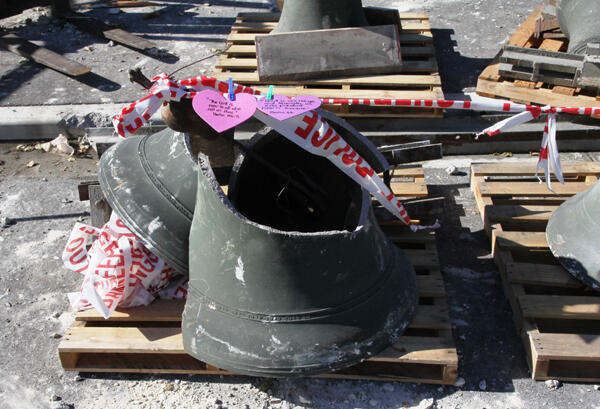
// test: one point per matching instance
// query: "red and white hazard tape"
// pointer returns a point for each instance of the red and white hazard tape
(312, 133)
(118, 269)
(309, 131)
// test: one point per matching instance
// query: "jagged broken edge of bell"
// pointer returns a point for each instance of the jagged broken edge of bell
(150, 181)
(573, 235)
(268, 302)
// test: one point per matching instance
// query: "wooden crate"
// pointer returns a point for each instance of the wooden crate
(557, 316)
(419, 78)
(148, 339)
(492, 84)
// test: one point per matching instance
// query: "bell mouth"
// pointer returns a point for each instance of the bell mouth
(360, 217)
(279, 185)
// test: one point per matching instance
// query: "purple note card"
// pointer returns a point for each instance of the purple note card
(282, 108)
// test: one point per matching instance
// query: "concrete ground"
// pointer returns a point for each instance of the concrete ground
(40, 204)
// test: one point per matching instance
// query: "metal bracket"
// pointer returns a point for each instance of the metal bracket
(552, 67)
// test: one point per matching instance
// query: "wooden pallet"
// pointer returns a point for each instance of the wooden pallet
(148, 339)
(557, 316)
(492, 84)
(419, 78)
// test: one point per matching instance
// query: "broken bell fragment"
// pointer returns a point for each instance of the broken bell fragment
(150, 182)
(573, 234)
(290, 275)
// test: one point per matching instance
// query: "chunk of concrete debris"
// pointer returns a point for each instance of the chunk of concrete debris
(425, 404)
(552, 384)
(460, 382)
(61, 405)
(452, 170)
(5, 222)
(373, 402)
(303, 400)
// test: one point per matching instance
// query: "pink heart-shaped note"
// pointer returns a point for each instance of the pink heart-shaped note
(221, 113)
(282, 108)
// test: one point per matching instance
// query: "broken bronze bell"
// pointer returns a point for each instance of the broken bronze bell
(574, 238)
(290, 274)
(303, 15)
(150, 181)
(578, 20)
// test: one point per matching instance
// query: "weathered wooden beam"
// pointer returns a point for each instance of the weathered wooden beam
(41, 55)
(96, 27)
(411, 152)
(328, 53)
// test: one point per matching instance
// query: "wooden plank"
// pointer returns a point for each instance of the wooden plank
(431, 286)
(421, 349)
(560, 307)
(408, 171)
(531, 189)
(404, 189)
(422, 258)
(123, 37)
(41, 55)
(122, 339)
(167, 340)
(551, 44)
(430, 316)
(552, 275)
(308, 54)
(274, 16)
(99, 28)
(157, 311)
(100, 210)
(521, 240)
(360, 93)
(267, 26)
(522, 36)
(539, 96)
(567, 346)
(391, 80)
(528, 169)
(519, 213)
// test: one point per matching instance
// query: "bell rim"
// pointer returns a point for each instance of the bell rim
(371, 344)
(205, 168)
(107, 184)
